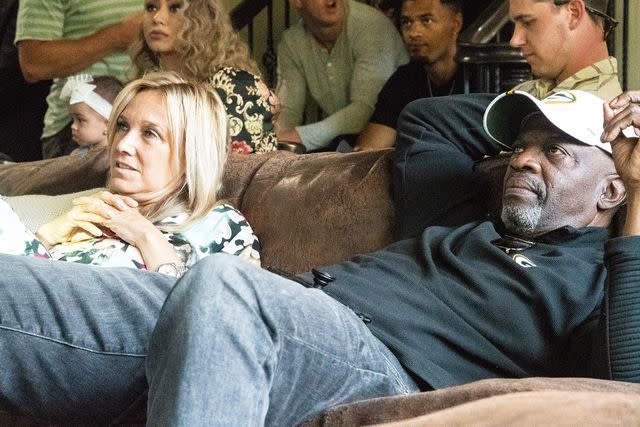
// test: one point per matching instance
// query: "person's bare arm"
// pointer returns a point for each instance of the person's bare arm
(376, 137)
(43, 60)
(289, 135)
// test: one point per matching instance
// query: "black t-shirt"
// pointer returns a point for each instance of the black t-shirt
(408, 83)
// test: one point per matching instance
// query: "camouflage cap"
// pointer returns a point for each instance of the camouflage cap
(597, 5)
(599, 8)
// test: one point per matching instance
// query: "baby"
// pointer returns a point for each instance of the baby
(90, 102)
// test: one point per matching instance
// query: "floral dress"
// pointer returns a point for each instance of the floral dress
(223, 229)
(251, 108)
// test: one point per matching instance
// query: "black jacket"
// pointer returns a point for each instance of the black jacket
(455, 307)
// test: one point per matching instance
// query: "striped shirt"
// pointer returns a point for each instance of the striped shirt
(599, 79)
(73, 19)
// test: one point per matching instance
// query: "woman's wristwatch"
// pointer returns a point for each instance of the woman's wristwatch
(172, 269)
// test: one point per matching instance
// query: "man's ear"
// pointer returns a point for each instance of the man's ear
(614, 193)
(295, 4)
(457, 23)
(577, 12)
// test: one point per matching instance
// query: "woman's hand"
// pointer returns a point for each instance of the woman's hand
(116, 214)
(70, 227)
(119, 215)
(83, 220)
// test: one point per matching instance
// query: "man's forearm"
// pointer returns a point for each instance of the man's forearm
(43, 60)
(349, 120)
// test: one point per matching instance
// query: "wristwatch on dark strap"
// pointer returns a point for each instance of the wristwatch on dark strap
(172, 269)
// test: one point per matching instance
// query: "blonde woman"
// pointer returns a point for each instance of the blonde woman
(168, 147)
(195, 39)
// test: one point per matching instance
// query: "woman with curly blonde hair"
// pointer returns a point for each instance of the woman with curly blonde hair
(195, 39)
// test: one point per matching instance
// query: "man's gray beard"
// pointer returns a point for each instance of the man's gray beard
(521, 220)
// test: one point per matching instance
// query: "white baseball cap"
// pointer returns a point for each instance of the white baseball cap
(575, 112)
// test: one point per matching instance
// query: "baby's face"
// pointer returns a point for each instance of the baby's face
(87, 127)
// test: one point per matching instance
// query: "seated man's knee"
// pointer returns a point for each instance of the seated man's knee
(212, 277)
(219, 264)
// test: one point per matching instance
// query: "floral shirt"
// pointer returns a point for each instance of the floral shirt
(224, 229)
(250, 106)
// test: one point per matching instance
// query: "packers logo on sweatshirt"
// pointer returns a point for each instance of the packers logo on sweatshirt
(523, 261)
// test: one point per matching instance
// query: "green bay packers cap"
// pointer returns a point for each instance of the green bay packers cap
(575, 112)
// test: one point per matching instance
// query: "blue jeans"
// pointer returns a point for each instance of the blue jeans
(73, 338)
(247, 347)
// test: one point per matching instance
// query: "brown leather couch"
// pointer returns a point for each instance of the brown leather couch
(316, 209)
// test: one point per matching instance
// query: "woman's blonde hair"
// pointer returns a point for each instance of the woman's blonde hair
(197, 127)
(206, 44)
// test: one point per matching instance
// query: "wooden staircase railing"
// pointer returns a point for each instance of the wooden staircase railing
(244, 16)
(488, 62)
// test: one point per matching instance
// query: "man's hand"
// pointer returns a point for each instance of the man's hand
(619, 114)
(128, 30)
(626, 112)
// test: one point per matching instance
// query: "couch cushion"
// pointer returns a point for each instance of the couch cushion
(308, 210)
(316, 209)
(238, 173)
